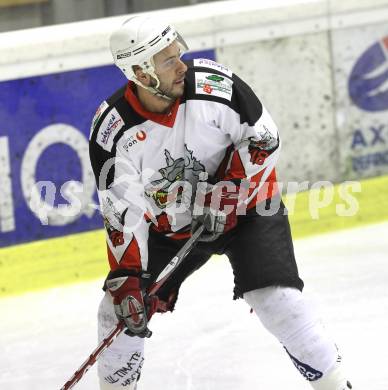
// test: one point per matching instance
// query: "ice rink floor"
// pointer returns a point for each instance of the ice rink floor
(211, 342)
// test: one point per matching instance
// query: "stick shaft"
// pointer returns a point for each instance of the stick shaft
(175, 261)
(94, 356)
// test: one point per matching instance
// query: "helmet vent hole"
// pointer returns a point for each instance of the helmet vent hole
(132, 41)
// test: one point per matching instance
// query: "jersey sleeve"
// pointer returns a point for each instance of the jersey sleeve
(122, 203)
(255, 142)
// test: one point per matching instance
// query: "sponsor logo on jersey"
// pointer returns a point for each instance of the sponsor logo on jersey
(132, 140)
(141, 135)
(212, 84)
(368, 82)
(207, 88)
(213, 65)
(110, 126)
(100, 110)
(215, 77)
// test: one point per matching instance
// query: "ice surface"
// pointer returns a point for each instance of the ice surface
(211, 342)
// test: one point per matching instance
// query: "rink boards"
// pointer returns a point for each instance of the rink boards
(82, 256)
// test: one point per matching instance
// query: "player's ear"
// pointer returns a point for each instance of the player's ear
(144, 78)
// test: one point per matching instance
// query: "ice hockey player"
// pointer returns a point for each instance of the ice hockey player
(183, 144)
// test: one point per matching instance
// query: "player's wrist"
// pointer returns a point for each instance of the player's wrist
(218, 211)
(131, 305)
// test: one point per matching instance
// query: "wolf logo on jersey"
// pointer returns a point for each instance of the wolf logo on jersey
(172, 173)
(115, 235)
(261, 148)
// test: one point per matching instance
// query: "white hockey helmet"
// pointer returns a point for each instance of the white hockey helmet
(136, 42)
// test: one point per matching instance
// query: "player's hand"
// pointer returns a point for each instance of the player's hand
(130, 303)
(218, 213)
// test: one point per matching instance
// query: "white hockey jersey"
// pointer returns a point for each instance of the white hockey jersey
(145, 163)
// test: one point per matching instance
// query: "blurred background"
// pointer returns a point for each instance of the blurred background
(20, 14)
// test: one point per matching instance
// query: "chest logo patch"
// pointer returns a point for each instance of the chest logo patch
(174, 171)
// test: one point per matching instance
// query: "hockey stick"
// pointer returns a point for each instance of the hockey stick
(161, 279)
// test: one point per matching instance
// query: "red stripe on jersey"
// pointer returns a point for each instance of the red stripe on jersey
(113, 263)
(163, 223)
(220, 173)
(130, 258)
(167, 120)
(236, 169)
(268, 190)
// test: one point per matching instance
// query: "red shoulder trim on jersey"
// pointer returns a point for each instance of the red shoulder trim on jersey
(167, 120)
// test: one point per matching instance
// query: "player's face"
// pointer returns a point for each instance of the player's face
(170, 70)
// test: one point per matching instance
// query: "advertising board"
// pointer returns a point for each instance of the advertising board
(360, 57)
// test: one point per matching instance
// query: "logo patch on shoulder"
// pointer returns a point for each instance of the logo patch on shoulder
(213, 84)
(108, 129)
(100, 110)
(213, 65)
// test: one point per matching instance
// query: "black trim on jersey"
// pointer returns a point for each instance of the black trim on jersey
(98, 155)
(244, 101)
(111, 101)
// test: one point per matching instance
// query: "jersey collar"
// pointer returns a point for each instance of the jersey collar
(163, 119)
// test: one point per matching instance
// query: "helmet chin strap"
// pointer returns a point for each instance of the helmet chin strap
(154, 90)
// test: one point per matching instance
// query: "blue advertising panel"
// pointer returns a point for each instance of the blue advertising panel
(368, 78)
(44, 130)
(360, 70)
(367, 86)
